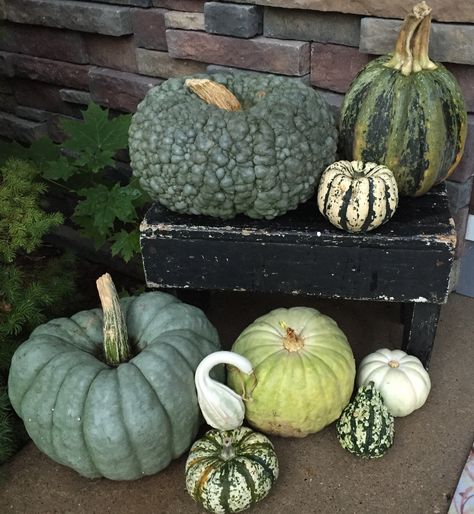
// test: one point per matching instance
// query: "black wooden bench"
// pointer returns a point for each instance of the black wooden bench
(408, 260)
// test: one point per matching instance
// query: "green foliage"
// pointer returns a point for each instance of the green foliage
(106, 210)
(31, 286)
(22, 222)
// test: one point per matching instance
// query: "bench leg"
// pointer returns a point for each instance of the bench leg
(421, 322)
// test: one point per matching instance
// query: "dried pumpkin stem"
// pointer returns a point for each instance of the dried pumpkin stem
(402, 58)
(116, 347)
(420, 46)
(292, 341)
(214, 93)
(228, 451)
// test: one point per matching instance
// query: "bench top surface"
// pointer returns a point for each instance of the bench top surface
(418, 222)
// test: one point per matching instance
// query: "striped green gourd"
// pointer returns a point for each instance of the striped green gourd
(366, 428)
(406, 112)
(228, 471)
(357, 196)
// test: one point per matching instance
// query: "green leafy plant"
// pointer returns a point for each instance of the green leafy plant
(107, 210)
(33, 283)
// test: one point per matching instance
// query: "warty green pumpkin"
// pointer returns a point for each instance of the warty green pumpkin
(261, 153)
(229, 471)
(124, 414)
(304, 370)
(406, 112)
(357, 196)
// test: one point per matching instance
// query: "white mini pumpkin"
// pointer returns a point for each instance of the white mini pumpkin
(401, 379)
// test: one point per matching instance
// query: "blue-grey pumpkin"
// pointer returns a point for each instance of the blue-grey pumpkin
(120, 422)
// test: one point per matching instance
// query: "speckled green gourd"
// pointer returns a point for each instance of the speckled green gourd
(366, 428)
(262, 160)
(228, 471)
(406, 112)
(118, 421)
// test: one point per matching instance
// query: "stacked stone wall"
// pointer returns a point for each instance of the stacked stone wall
(58, 55)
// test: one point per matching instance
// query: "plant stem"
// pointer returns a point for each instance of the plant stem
(228, 451)
(420, 45)
(402, 58)
(214, 93)
(116, 347)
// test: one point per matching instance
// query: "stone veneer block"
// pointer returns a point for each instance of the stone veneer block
(215, 68)
(461, 11)
(39, 95)
(53, 72)
(75, 96)
(334, 101)
(61, 45)
(160, 64)
(19, 129)
(448, 43)
(149, 28)
(233, 19)
(6, 64)
(181, 5)
(465, 77)
(119, 90)
(5, 86)
(459, 194)
(130, 3)
(260, 54)
(334, 66)
(184, 20)
(31, 114)
(460, 223)
(112, 52)
(465, 168)
(70, 14)
(341, 29)
(7, 103)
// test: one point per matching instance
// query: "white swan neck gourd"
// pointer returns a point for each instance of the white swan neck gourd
(221, 407)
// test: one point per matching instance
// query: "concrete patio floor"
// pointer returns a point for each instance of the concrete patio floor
(417, 476)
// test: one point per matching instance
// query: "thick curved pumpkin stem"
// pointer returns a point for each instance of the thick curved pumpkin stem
(116, 347)
(214, 93)
(402, 58)
(420, 45)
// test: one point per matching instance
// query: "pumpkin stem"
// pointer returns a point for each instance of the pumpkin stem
(292, 342)
(228, 451)
(421, 43)
(116, 347)
(402, 58)
(214, 93)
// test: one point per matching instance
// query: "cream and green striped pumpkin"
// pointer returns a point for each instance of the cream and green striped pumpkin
(357, 196)
(406, 112)
(366, 428)
(228, 471)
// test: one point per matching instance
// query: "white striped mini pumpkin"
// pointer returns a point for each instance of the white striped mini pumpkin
(228, 471)
(357, 196)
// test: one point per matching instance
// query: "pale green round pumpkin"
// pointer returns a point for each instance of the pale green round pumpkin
(304, 371)
(117, 421)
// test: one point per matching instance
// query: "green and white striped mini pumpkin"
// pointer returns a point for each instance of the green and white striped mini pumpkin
(357, 196)
(228, 471)
(365, 427)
